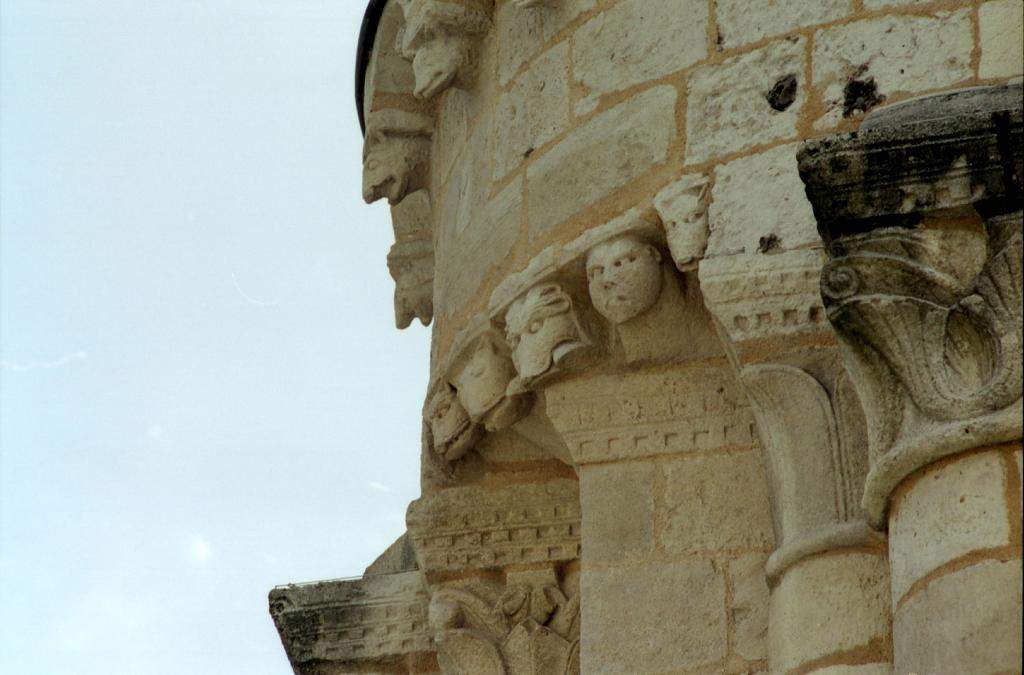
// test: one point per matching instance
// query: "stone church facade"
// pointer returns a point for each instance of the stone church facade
(726, 355)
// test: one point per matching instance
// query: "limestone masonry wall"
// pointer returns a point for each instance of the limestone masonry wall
(725, 367)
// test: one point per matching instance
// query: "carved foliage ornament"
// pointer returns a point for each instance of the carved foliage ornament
(531, 628)
(922, 211)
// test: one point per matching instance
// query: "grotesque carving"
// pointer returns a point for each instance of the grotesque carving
(452, 431)
(683, 207)
(411, 265)
(482, 382)
(624, 276)
(543, 331)
(395, 153)
(439, 38)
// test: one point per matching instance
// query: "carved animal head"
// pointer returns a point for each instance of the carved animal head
(453, 432)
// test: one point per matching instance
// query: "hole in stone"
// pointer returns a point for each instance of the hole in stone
(768, 243)
(860, 95)
(783, 93)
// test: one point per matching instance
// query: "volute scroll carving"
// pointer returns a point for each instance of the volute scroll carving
(921, 210)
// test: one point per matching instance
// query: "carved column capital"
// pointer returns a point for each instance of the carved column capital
(921, 214)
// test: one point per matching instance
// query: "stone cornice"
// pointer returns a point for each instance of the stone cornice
(371, 620)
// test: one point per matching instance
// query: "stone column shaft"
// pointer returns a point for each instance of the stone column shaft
(921, 212)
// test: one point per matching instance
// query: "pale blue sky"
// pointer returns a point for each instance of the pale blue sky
(202, 393)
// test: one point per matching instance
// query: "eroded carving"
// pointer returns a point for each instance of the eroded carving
(411, 265)
(530, 628)
(440, 38)
(367, 620)
(482, 383)
(683, 208)
(922, 212)
(396, 150)
(453, 433)
(543, 331)
(624, 277)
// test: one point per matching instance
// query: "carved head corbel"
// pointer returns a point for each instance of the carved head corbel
(543, 331)
(683, 208)
(482, 382)
(411, 264)
(453, 433)
(439, 38)
(395, 153)
(624, 277)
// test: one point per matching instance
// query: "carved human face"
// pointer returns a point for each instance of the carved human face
(624, 276)
(482, 382)
(436, 65)
(542, 330)
(453, 432)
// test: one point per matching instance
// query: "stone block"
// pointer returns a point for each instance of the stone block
(745, 101)
(716, 502)
(946, 513)
(741, 22)
(759, 204)
(857, 66)
(534, 110)
(1002, 38)
(749, 607)
(523, 31)
(604, 154)
(966, 622)
(636, 41)
(828, 604)
(882, 4)
(652, 618)
(617, 501)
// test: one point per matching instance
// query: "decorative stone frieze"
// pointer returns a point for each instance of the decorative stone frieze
(439, 38)
(348, 624)
(921, 213)
(468, 527)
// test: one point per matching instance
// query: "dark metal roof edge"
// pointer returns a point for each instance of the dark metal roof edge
(367, 35)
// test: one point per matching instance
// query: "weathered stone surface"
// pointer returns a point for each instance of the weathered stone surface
(965, 622)
(684, 410)
(847, 592)
(366, 620)
(728, 108)
(606, 153)
(1002, 38)
(523, 32)
(474, 528)
(683, 209)
(617, 501)
(636, 41)
(716, 502)
(739, 219)
(534, 110)
(859, 65)
(749, 607)
(628, 631)
(948, 512)
(744, 21)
